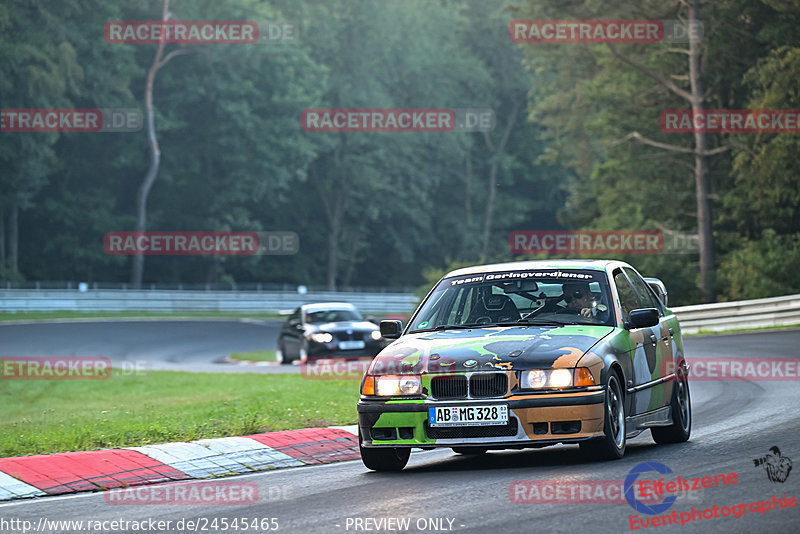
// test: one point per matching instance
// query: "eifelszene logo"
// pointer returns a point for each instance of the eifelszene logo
(778, 467)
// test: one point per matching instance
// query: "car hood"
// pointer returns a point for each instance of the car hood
(490, 348)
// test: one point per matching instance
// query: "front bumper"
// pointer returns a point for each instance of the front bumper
(333, 350)
(534, 420)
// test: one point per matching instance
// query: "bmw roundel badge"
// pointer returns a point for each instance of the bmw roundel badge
(470, 363)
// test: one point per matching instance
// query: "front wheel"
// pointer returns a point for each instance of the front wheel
(612, 445)
(681, 427)
(280, 355)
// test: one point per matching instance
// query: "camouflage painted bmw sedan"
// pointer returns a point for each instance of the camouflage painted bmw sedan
(528, 354)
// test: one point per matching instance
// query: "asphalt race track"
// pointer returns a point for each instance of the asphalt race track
(734, 423)
(194, 345)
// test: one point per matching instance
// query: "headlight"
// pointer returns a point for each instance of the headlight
(533, 379)
(375, 335)
(321, 337)
(560, 378)
(397, 385)
(555, 378)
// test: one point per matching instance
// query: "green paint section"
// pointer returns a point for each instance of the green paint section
(404, 419)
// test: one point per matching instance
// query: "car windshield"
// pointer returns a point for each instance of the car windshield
(517, 297)
(332, 316)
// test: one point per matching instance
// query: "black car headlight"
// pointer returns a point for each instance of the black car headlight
(321, 337)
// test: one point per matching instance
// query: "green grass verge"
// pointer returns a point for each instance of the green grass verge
(66, 314)
(45, 416)
(255, 356)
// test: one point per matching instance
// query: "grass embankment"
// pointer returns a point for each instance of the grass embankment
(255, 356)
(45, 416)
(66, 314)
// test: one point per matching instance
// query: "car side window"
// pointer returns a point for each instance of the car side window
(627, 297)
(643, 293)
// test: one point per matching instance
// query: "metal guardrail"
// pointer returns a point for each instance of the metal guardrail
(776, 311)
(21, 300)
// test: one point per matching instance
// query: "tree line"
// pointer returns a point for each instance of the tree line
(576, 142)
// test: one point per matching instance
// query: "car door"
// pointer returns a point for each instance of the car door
(663, 335)
(645, 352)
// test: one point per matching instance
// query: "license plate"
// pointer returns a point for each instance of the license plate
(349, 345)
(490, 414)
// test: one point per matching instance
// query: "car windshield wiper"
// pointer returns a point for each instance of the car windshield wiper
(448, 327)
(538, 322)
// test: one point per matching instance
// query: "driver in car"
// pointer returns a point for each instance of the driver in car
(579, 298)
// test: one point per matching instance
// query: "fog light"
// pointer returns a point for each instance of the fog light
(375, 335)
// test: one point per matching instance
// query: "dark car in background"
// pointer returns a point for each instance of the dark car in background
(328, 330)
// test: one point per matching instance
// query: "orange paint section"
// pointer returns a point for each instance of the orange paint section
(568, 360)
(590, 416)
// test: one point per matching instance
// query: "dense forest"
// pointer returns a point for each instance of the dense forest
(576, 143)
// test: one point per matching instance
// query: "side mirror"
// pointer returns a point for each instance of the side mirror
(643, 318)
(391, 329)
(658, 288)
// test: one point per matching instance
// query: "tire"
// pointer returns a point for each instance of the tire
(280, 356)
(470, 451)
(384, 459)
(612, 445)
(681, 427)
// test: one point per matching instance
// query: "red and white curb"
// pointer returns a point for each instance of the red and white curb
(70, 472)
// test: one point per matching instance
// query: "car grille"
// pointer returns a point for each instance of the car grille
(488, 384)
(344, 336)
(492, 431)
(479, 385)
(449, 387)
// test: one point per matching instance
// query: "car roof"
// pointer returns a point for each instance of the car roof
(594, 265)
(319, 306)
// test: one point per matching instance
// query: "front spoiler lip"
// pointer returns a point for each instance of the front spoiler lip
(482, 442)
